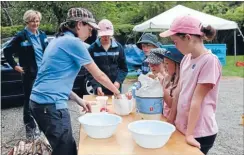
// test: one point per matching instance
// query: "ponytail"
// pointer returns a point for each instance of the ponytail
(209, 33)
(67, 26)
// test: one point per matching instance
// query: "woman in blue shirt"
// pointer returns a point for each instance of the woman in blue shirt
(30, 44)
(52, 89)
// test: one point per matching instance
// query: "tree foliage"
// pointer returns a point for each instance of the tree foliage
(124, 15)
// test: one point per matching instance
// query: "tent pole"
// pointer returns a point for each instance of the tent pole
(235, 44)
(135, 39)
(240, 33)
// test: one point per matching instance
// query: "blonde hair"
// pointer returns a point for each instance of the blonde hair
(31, 15)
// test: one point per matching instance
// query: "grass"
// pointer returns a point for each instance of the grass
(230, 68)
(132, 77)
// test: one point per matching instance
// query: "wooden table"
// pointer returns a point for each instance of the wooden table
(121, 143)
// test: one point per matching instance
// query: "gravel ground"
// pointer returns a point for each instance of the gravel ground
(229, 110)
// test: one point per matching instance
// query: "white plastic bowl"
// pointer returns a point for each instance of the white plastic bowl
(151, 133)
(99, 125)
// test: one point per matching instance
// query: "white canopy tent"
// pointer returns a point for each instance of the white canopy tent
(163, 21)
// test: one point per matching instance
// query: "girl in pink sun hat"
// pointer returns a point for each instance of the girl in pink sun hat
(200, 73)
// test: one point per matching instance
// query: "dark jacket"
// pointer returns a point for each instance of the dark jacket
(111, 62)
(21, 45)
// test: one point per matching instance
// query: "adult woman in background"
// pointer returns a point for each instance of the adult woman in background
(29, 44)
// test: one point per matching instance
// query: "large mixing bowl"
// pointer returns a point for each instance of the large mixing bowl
(100, 125)
(151, 133)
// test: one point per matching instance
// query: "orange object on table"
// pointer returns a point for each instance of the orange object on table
(121, 143)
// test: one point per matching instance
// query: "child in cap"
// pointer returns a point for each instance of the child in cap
(156, 63)
(200, 73)
(157, 68)
(161, 60)
(148, 41)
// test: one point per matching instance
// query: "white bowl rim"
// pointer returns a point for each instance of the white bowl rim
(157, 121)
(101, 113)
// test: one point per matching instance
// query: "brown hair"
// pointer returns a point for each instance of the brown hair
(68, 26)
(209, 33)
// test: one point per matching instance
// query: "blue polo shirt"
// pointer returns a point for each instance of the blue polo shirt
(61, 63)
(36, 42)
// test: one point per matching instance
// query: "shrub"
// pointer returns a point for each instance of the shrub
(9, 31)
(123, 29)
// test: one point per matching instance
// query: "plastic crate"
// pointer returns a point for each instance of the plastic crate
(218, 49)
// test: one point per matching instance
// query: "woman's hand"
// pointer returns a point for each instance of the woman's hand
(117, 85)
(19, 69)
(86, 105)
(117, 96)
(100, 91)
(192, 141)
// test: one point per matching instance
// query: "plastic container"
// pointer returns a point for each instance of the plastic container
(123, 106)
(151, 134)
(218, 49)
(149, 108)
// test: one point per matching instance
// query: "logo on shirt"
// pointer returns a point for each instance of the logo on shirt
(25, 43)
(193, 66)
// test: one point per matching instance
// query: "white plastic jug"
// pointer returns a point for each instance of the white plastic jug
(123, 106)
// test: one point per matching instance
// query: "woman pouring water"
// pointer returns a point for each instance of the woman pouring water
(52, 89)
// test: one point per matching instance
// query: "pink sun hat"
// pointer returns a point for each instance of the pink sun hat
(184, 24)
(106, 28)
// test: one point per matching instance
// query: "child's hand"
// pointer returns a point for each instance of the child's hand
(192, 141)
(171, 119)
(152, 76)
(161, 77)
(128, 95)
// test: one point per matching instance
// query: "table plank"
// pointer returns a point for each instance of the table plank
(121, 143)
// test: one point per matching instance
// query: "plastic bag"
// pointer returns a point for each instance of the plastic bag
(149, 87)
